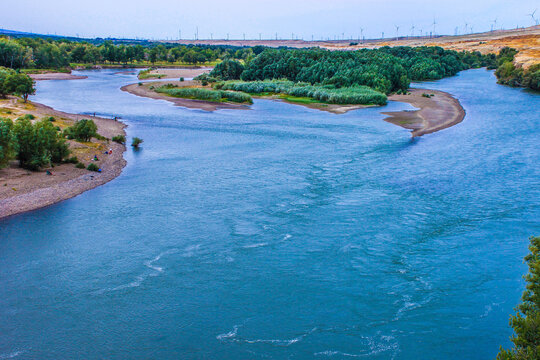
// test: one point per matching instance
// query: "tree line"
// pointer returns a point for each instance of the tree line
(387, 69)
(42, 53)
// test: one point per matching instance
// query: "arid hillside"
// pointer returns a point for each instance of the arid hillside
(526, 40)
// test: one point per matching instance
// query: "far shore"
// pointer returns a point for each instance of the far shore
(22, 190)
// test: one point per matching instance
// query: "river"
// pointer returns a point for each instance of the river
(281, 232)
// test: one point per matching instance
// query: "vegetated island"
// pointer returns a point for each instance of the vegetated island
(330, 81)
(47, 156)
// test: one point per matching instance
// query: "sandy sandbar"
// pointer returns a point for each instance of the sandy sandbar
(144, 90)
(56, 76)
(435, 113)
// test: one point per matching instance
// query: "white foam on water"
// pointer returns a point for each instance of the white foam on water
(287, 237)
(330, 353)
(139, 279)
(232, 336)
(11, 355)
(253, 246)
(191, 250)
(229, 335)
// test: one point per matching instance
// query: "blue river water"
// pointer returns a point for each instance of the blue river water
(281, 232)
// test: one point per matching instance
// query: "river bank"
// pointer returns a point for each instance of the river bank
(22, 190)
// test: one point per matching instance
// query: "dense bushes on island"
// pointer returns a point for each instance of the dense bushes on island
(206, 94)
(322, 93)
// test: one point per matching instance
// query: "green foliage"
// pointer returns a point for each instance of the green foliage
(206, 94)
(508, 74)
(80, 166)
(19, 84)
(92, 167)
(38, 144)
(72, 160)
(26, 117)
(526, 322)
(6, 142)
(385, 70)
(322, 93)
(82, 130)
(228, 69)
(4, 73)
(121, 139)
(136, 142)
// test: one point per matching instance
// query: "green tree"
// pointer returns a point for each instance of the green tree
(20, 84)
(228, 70)
(6, 141)
(82, 130)
(526, 322)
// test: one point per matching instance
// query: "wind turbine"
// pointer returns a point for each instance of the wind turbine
(535, 20)
(412, 30)
(362, 34)
(494, 25)
(466, 27)
(397, 32)
(434, 23)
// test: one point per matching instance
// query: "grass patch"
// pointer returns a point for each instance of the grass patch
(206, 94)
(308, 94)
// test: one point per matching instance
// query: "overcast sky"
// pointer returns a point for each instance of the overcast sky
(162, 19)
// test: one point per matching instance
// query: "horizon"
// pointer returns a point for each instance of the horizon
(337, 21)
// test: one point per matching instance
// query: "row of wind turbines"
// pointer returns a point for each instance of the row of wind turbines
(414, 31)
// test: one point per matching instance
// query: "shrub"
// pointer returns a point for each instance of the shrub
(38, 144)
(526, 322)
(207, 94)
(121, 139)
(136, 142)
(49, 118)
(181, 79)
(323, 93)
(7, 151)
(93, 167)
(26, 117)
(72, 160)
(80, 166)
(82, 130)
(228, 69)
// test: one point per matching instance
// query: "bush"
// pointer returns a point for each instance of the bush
(80, 166)
(181, 79)
(121, 139)
(82, 130)
(93, 167)
(207, 94)
(526, 322)
(136, 142)
(38, 144)
(228, 70)
(49, 118)
(26, 117)
(323, 93)
(7, 143)
(72, 160)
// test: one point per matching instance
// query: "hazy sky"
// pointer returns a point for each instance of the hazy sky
(320, 18)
